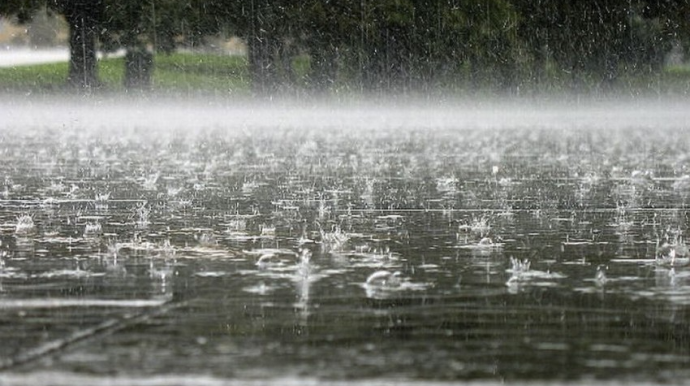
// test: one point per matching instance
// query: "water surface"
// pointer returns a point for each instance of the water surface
(237, 243)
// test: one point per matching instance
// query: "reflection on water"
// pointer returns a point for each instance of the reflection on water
(510, 252)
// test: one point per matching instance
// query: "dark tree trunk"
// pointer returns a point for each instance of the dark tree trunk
(262, 44)
(610, 72)
(82, 17)
(324, 67)
(262, 65)
(539, 61)
(374, 66)
(138, 69)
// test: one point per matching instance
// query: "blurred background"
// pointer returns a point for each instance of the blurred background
(411, 47)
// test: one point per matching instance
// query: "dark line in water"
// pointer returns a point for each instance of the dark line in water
(107, 327)
(72, 379)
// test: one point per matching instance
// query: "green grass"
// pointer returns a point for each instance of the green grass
(676, 80)
(187, 74)
(199, 73)
(175, 74)
(43, 77)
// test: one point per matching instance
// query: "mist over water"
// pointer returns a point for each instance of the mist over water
(210, 241)
(170, 113)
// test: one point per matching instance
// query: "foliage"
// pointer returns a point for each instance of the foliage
(22, 10)
(220, 75)
(404, 45)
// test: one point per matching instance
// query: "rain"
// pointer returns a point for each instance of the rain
(344, 192)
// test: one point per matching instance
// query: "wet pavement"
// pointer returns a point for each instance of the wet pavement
(215, 244)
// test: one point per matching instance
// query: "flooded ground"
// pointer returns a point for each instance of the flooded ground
(211, 243)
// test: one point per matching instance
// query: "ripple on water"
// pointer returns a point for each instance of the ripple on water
(409, 232)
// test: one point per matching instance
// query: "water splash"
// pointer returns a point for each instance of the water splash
(142, 215)
(25, 225)
(674, 253)
(101, 201)
(383, 279)
(334, 240)
(600, 277)
(92, 230)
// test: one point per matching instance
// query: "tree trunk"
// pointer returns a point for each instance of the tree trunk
(323, 67)
(262, 66)
(82, 18)
(374, 65)
(262, 47)
(539, 61)
(138, 69)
